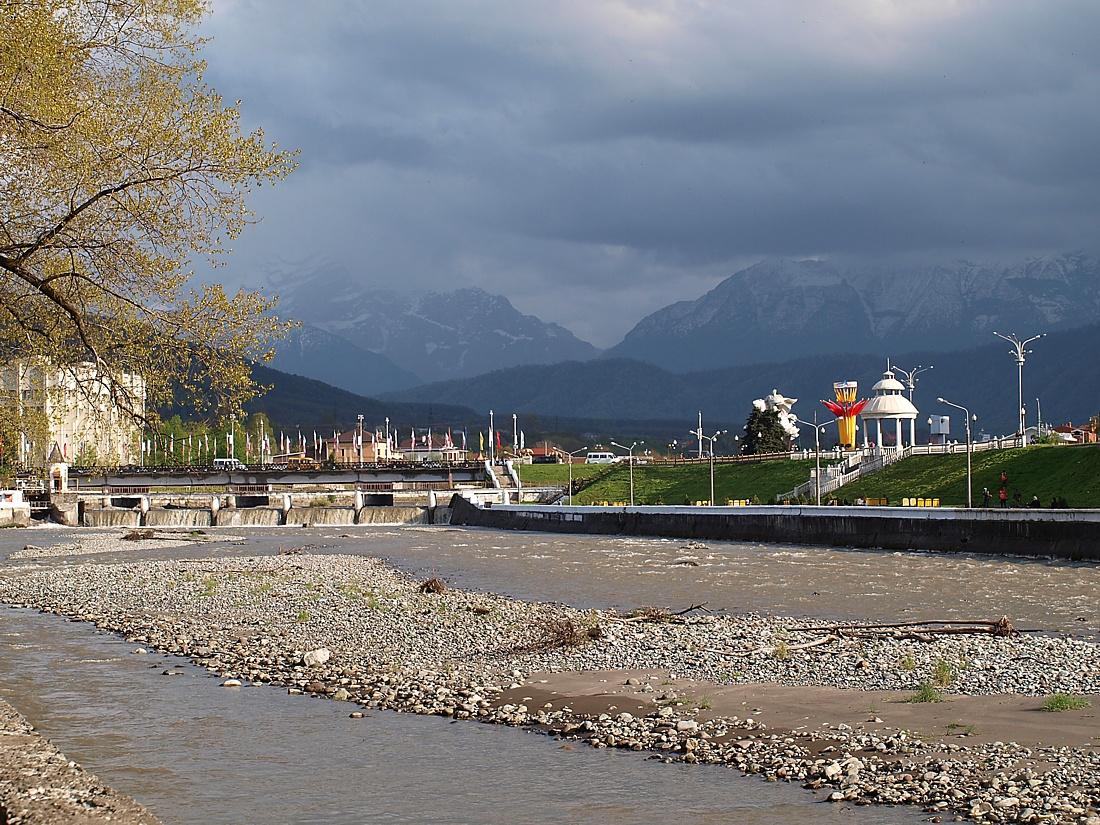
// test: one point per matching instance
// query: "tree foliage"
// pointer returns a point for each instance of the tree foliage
(119, 167)
(764, 433)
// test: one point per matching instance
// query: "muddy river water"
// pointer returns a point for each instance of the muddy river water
(193, 751)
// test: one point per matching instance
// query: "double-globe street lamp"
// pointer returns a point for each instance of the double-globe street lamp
(630, 455)
(818, 430)
(969, 451)
(711, 438)
(910, 376)
(1020, 352)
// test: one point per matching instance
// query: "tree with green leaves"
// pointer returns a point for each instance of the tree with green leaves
(119, 166)
(764, 434)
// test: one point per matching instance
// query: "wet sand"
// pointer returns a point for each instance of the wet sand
(972, 720)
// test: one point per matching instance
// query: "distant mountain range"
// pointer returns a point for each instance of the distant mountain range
(780, 309)
(434, 336)
(296, 401)
(1059, 372)
(310, 351)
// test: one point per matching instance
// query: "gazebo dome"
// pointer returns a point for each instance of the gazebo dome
(889, 400)
(888, 384)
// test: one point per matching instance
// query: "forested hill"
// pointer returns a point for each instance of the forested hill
(1058, 373)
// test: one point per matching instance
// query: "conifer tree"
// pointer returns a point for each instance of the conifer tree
(764, 433)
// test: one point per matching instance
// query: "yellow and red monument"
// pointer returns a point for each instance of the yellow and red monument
(846, 408)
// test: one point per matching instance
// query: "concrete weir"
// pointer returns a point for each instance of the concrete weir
(178, 517)
(107, 517)
(261, 516)
(1068, 534)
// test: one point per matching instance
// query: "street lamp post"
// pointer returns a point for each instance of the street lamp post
(360, 438)
(630, 458)
(818, 430)
(699, 434)
(581, 450)
(1020, 352)
(910, 376)
(969, 451)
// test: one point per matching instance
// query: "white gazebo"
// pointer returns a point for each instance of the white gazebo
(889, 403)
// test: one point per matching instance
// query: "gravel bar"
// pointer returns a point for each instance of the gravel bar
(354, 629)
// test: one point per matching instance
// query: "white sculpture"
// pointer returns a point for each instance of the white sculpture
(781, 405)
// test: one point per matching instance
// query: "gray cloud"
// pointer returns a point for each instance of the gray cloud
(594, 161)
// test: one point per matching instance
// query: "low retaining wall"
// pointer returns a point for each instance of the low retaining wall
(15, 514)
(1070, 534)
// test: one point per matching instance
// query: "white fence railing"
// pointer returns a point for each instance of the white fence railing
(858, 464)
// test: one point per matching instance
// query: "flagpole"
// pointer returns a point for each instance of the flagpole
(492, 449)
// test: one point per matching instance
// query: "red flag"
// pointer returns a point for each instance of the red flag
(498, 440)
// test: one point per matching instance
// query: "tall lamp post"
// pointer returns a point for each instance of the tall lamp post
(818, 430)
(581, 450)
(360, 438)
(910, 376)
(969, 451)
(630, 454)
(1020, 352)
(699, 434)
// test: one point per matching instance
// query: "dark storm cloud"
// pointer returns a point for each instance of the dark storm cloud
(575, 154)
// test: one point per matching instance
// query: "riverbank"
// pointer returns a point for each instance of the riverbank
(698, 688)
(40, 786)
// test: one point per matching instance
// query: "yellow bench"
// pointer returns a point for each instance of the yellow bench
(737, 502)
(920, 502)
(877, 502)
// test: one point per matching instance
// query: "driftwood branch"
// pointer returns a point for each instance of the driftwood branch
(658, 615)
(923, 630)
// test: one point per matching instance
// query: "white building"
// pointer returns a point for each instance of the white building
(81, 415)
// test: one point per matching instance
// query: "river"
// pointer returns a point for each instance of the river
(193, 751)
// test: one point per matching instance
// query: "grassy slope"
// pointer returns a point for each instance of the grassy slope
(691, 482)
(1070, 472)
(551, 474)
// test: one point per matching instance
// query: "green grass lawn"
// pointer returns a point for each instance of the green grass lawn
(688, 483)
(1046, 471)
(538, 475)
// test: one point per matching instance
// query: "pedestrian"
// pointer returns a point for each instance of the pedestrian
(1017, 499)
(1035, 503)
(987, 497)
(1002, 494)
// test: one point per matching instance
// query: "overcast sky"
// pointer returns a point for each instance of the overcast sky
(594, 161)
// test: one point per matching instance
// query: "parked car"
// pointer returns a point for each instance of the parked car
(601, 458)
(229, 464)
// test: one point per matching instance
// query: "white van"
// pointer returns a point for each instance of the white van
(601, 458)
(228, 464)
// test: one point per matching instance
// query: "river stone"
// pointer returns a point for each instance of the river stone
(231, 683)
(341, 695)
(313, 658)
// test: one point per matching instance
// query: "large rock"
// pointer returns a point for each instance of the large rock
(313, 658)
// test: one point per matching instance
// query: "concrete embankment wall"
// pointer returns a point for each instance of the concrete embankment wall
(1070, 534)
(15, 514)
